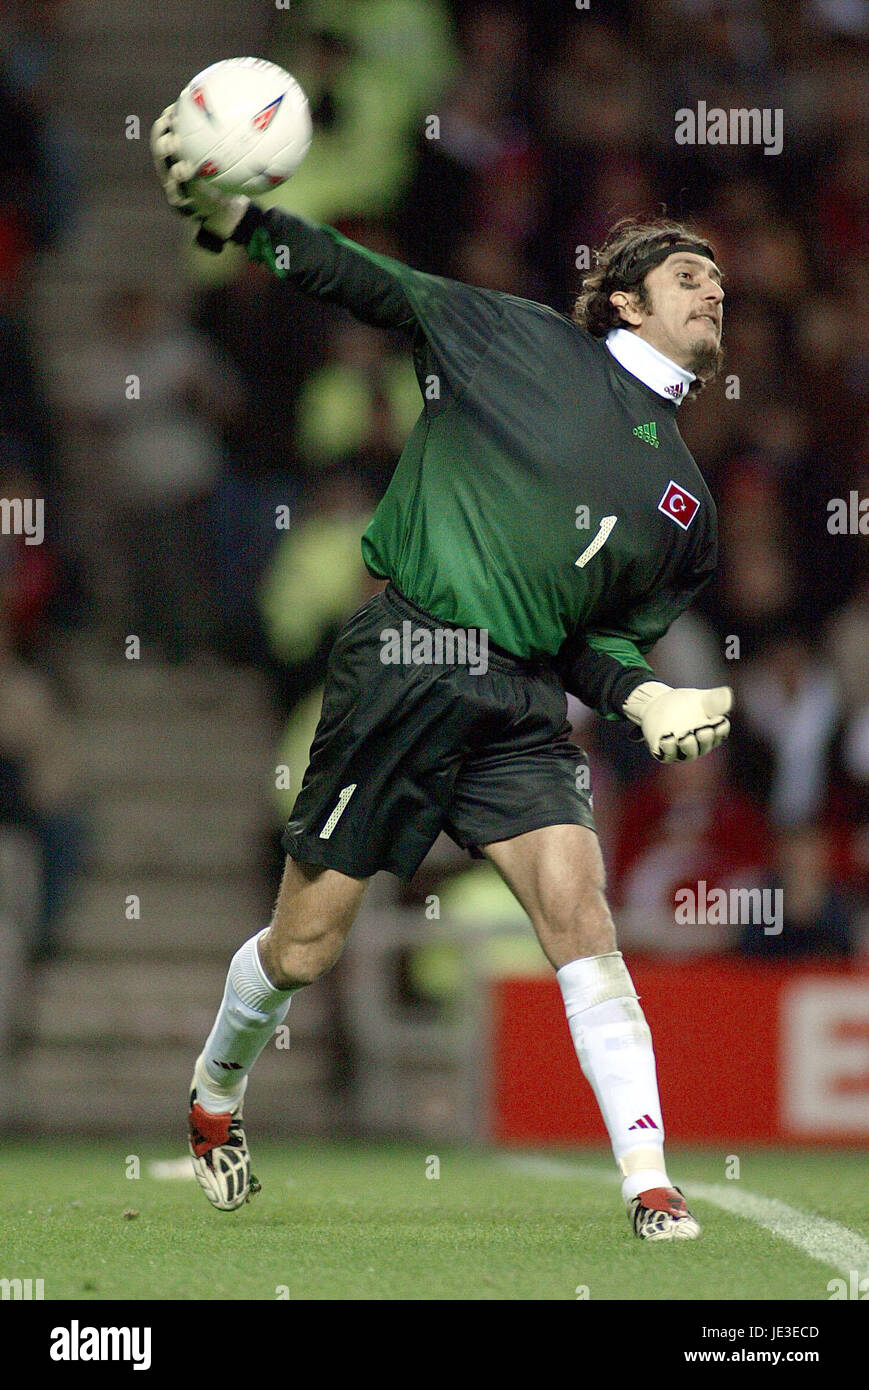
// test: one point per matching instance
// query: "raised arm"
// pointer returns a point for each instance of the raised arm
(322, 262)
(456, 320)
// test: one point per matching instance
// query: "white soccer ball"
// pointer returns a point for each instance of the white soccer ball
(244, 124)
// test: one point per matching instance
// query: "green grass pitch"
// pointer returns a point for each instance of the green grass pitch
(345, 1221)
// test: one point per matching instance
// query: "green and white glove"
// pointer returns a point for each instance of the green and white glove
(679, 725)
(217, 213)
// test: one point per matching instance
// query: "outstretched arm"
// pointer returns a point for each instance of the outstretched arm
(322, 262)
(456, 320)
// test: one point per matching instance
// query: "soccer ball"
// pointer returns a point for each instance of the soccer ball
(244, 124)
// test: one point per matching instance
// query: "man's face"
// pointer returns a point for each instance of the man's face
(684, 314)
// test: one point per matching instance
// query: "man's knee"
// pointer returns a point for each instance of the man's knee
(312, 917)
(290, 962)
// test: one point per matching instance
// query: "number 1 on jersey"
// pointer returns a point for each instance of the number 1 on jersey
(606, 525)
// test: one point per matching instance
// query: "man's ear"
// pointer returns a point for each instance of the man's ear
(627, 305)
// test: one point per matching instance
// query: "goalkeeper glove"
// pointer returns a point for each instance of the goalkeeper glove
(217, 213)
(679, 725)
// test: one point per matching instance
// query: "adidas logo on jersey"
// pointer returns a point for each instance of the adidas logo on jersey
(648, 433)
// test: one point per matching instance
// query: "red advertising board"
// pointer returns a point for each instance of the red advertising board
(771, 1053)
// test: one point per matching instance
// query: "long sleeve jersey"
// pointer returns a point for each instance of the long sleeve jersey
(544, 494)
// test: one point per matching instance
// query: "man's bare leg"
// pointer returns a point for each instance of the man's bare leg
(557, 874)
(314, 912)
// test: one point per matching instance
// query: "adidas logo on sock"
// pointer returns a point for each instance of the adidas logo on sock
(227, 1066)
(644, 1122)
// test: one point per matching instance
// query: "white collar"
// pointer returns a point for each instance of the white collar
(642, 360)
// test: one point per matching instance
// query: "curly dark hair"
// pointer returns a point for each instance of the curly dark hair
(633, 246)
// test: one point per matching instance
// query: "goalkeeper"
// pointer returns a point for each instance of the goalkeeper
(544, 507)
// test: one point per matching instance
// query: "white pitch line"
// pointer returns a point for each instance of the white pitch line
(826, 1241)
(823, 1240)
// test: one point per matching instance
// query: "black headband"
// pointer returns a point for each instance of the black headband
(650, 259)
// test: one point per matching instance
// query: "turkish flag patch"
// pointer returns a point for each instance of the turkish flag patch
(679, 505)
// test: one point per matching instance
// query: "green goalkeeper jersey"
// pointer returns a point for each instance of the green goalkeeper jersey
(544, 494)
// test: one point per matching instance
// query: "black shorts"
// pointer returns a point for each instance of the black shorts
(403, 751)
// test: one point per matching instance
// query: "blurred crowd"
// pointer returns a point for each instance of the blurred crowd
(43, 816)
(496, 142)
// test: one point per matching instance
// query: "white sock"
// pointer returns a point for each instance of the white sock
(614, 1047)
(250, 1012)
